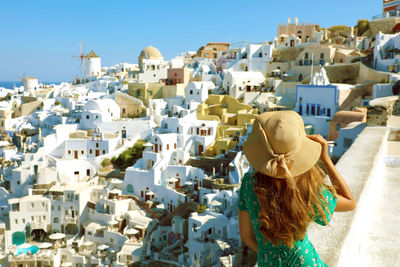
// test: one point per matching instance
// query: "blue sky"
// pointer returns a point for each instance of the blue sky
(39, 37)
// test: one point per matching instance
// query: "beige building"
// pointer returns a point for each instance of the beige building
(304, 32)
(211, 50)
(130, 106)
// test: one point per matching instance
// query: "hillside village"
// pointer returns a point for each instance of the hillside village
(141, 164)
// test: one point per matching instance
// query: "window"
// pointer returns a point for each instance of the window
(104, 151)
(97, 145)
(87, 117)
(82, 152)
(313, 110)
(59, 208)
(69, 152)
(150, 92)
(328, 112)
(167, 146)
(322, 56)
(260, 54)
(23, 220)
(44, 217)
(32, 218)
(191, 92)
(76, 172)
(347, 142)
(76, 197)
(87, 172)
(42, 204)
(90, 151)
(175, 146)
(33, 205)
(306, 55)
(16, 221)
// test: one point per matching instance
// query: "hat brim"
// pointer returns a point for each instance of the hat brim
(299, 162)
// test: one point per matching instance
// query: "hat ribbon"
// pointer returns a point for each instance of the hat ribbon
(277, 160)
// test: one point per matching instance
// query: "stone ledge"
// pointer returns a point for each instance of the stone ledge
(358, 166)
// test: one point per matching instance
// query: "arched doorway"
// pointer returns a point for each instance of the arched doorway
(71, 229)
(38, 235)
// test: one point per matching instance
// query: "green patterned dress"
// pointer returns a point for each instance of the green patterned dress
(302, 254)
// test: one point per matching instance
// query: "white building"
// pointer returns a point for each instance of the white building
(197, 92)
(30, 213)
(347, 136)
(69, 207)
(252, 58)
(236, 83)
(98, 145)
(386, 57)
(99, 111)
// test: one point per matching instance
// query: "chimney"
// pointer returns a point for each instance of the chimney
(296, 21)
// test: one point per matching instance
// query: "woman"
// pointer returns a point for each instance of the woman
(286, 190)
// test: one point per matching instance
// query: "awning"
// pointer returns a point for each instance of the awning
(173, 180)
(131, 231)
(57, 236)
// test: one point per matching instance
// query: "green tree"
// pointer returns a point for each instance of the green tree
(129, 156)
(105, 163)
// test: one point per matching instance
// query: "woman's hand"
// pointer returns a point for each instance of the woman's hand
(324, 145)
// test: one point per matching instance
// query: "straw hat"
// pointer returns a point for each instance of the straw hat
(278, 146)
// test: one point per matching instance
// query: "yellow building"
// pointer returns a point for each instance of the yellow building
(233, 116)
(146, 91)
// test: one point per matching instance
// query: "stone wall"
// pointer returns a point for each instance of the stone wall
(384, 25)
(343, 73)
(368, 75)
(381, 109)
(286, 54)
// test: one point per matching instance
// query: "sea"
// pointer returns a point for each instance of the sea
(12, 84)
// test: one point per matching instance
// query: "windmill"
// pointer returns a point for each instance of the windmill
(22, 79)
(82, 57)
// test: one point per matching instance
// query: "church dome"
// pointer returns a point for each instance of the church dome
(150, 52)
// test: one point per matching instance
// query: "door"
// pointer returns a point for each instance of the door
(291, 43)
(156, 148)
(97, 152)
(76, 154)
(201, 149)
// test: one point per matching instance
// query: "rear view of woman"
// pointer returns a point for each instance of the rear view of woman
(286, 191)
